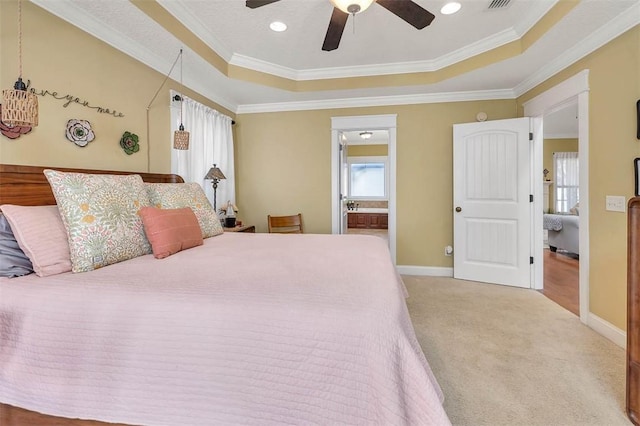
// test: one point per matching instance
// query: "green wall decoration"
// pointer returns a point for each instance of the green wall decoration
(129, 143)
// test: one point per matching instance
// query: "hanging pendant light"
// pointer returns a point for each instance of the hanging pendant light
(19, 107)
(181, 136)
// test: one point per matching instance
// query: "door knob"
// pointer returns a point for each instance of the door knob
(458, 209)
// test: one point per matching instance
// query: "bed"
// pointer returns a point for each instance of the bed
(245, 329)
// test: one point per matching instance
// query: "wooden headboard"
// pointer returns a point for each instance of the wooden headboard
(28, 186)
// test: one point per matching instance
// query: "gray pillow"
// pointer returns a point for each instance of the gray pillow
(13, 261)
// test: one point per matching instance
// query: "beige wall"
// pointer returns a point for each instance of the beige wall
(285, 166)
(59, 57)
(550, 146)
(614, 83)
(368, 150)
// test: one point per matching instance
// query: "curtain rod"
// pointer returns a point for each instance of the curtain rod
(178, 98)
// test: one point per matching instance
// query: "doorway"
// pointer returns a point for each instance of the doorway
(371, 123)
(573, 90)
(365, 178)
(560, 164)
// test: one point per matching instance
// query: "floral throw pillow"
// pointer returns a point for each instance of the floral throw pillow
(101, 216)
(180, 195)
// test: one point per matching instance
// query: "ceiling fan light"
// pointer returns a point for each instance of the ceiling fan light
(450, 8)
(352, 6)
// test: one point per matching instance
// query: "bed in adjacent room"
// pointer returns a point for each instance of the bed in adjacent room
(242, 329)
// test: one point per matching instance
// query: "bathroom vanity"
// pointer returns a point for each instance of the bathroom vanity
(368, 218)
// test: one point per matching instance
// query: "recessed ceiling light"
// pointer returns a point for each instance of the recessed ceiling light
(278, 26)
(450, 8)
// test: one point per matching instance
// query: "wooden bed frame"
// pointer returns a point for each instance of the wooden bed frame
(28, 186)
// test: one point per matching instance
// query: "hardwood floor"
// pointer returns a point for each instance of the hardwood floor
(561, 280)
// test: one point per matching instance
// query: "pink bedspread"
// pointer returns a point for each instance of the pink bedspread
(247, 329)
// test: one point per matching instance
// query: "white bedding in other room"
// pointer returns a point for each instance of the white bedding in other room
(247, 329)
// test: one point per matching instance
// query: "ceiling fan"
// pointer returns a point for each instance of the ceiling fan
(406, 10)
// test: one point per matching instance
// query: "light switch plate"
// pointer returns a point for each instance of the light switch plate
(615, 203)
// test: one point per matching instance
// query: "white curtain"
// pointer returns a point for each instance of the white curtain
(566, 180)
(211, 142)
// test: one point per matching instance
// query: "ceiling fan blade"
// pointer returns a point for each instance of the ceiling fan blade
(334, 32)
(408, 11)
(252, 4)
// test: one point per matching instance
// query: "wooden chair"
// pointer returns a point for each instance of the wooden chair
(285, 224)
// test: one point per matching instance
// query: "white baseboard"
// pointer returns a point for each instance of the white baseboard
(608, 330)
(429, 271)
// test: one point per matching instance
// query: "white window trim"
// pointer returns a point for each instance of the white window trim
(370, 159)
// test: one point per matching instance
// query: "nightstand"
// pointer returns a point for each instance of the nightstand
(243, 228)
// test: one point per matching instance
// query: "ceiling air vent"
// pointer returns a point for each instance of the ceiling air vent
(498, 4)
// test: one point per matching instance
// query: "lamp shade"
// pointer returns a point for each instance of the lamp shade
(181, 139)
(352, 6)
(19, 108)
(215, 173)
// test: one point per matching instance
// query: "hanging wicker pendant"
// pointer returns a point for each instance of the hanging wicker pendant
(181, 139)
(19, 107)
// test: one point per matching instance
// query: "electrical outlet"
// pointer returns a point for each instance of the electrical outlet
(615, 203)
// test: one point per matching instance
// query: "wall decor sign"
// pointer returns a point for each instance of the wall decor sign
(129, 143)
(69, 99)
(79, 132)
(12, 132)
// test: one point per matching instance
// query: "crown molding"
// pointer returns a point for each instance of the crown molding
(614, 28)
(180, 11)
(263, 66)
(66, 10)
(476, 48)
(427, 98)
(481, 46)
(540, 9)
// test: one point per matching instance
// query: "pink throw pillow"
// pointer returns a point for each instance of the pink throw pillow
(42, 237)
(170, 230)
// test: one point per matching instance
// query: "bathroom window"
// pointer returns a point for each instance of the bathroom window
(368, 178)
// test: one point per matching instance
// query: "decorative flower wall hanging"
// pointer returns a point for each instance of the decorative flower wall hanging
(79, 132)
(129, 142)
(12, 132)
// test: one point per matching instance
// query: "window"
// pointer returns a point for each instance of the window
(566, 177)
(368, 177)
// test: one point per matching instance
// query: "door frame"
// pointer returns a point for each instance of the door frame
(573, 89)
(364, 122)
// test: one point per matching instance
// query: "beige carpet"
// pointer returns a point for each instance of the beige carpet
(508, 356)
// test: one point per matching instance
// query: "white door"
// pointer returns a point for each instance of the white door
(492, 209)
(344, 186)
